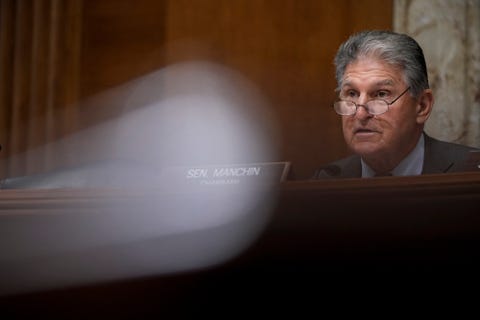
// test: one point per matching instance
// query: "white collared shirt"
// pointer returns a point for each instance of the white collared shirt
(411, 165)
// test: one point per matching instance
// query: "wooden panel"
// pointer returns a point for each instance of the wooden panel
(286, 47)
(39, 73)
(121, 39)
(6, 58)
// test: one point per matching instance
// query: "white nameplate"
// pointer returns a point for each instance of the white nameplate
(228, 174)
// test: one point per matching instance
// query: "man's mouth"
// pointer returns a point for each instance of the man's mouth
(363, 130)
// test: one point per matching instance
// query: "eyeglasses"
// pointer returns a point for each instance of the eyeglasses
(374, 107)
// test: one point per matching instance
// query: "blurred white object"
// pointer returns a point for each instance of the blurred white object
(190, 115)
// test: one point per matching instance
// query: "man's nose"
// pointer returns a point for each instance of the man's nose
(362, 109)
(362, 112)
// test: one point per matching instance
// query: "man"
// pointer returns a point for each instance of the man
(384, 101)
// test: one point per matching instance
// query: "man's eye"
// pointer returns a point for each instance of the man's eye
(382, 94)
(350, 94)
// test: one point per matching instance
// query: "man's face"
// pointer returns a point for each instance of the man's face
(391, 135)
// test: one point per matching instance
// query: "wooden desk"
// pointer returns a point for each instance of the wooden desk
(329, 236)
(430, 218)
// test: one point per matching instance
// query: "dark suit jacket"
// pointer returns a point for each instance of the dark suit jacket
(440, 157)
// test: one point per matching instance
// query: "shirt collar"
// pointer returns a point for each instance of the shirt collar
(411, 165)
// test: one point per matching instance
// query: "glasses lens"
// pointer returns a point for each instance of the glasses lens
(344, 108)
(377, 107)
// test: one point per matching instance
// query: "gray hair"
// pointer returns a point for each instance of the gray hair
(396, 49)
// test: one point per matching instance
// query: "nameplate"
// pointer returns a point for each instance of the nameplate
(225, 175)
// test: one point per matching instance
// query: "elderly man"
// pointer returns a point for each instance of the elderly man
(384, 101)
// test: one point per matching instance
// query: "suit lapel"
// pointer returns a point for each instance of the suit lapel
(435, 160)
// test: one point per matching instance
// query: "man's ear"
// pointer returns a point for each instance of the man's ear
(424, 106)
